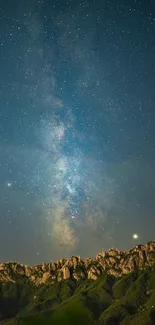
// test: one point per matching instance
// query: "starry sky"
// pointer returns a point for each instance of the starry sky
(77, 135)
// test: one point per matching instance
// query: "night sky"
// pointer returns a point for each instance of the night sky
(77, 130)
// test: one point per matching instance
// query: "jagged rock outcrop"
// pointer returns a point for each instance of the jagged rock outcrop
(65, 272)
(114, 262)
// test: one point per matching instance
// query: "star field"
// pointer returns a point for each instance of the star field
(77, 131)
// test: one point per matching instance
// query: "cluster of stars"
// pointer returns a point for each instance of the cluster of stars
(76, 123)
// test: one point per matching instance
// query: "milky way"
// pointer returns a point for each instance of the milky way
(70, 183)
(76, 127)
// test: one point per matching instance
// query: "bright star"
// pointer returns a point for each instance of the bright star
(135, 236)
(9, 184)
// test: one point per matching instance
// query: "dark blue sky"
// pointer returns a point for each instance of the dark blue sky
(77, 135)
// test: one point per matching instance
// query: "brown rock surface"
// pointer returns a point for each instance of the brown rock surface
(115, 262)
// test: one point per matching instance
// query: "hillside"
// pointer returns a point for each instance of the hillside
(115, 288)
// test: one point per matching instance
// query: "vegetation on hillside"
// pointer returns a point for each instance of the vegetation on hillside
(106, 301)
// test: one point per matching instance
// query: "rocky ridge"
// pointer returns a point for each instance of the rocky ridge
(114, 262)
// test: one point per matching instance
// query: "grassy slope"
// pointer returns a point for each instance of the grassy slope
(107, 301)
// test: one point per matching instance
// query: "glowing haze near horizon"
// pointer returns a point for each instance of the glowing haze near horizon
(77, 148)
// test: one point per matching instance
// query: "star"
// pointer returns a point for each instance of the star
(9, 184)
(135, 236)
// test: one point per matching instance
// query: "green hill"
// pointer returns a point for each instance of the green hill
(107, 301)
(116, 288)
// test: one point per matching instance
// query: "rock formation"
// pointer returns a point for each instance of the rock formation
(114, 262)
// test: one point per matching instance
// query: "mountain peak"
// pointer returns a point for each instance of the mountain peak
(115, 262)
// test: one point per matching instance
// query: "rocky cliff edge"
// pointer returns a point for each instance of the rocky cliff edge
(114, 262)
